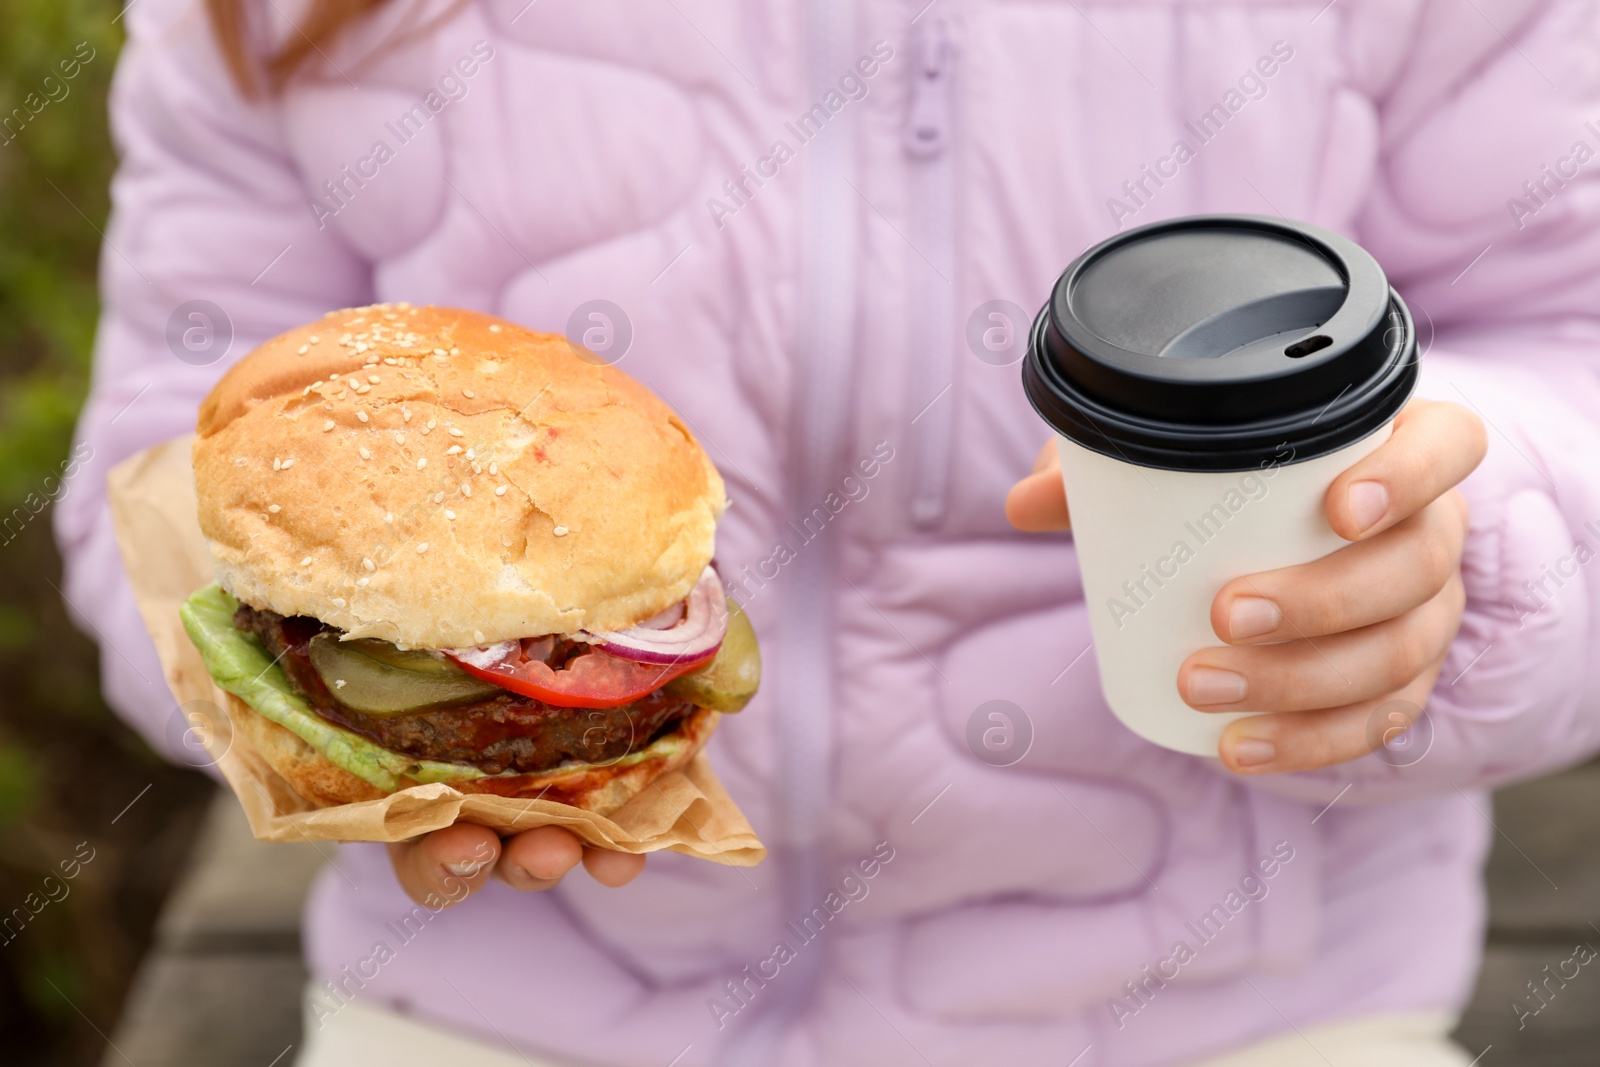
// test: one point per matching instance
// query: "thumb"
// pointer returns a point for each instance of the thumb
(446, 866)
(1038, 503)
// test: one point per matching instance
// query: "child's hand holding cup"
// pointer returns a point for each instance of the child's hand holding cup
(1225, 392)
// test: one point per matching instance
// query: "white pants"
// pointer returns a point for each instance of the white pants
(364, 1036)
(1401, 1039)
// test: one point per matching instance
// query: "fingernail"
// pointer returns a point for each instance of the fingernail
(1251, 616)
(1368, 503)
(1253, 752)
(464, 870)
(1212, 685)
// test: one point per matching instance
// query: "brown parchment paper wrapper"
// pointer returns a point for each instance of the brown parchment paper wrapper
(154, 510)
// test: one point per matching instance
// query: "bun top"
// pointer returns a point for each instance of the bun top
(442, 478)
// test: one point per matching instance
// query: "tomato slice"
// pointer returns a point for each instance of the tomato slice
(592, 679)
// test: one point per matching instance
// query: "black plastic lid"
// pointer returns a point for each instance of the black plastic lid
(1211, 342)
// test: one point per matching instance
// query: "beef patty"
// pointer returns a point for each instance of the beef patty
(506, 732)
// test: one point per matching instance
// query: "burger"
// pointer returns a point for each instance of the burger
(452, 550)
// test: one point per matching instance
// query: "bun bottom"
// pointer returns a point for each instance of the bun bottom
(600, 789)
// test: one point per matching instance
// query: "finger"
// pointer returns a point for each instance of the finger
(537, 859)
(1038, 503)
(612, 868)
(1359, 585)
(1048, 459)
(446, 866)
(1305, 741)
(1324, 672)
(1434, 446)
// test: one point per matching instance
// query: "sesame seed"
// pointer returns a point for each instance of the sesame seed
(363, 389)
(453, 450)
(362, 346)
(449, 514)
(365, 454)
(494, 468)
(339, 683)
(439, 352)
(303, 349)
(288, 463)
(361, 582)
(468, 393)
(333, 377)
(477, 635)
(499, 490)
(494, 327)
(438, 498)
(389, 361)
(306, 562)
(400, 437)
(374, 379)
(388, 516)
(466, 490)
(405, 414)
(315, 339)
(472, 453)
(277, 464)
(560, 531)
(362, 415)
(326, 426)
(475, 468)
(338, 601)
(456, 432)
(455, 351)
(432, 423)
(274, 508)
(423, 462)
(369, 565)
(423, 547)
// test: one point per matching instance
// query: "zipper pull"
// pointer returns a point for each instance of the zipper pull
(927, 131)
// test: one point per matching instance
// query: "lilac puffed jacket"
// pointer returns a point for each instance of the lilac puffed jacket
(798, 222)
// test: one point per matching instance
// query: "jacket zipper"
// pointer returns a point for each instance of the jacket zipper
(818, 451)
(931, 269)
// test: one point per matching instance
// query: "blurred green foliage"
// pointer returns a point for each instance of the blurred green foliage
(53, 181)
(67, 766)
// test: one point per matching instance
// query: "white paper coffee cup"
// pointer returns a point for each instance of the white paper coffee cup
(1155, 548)
(1208, 379)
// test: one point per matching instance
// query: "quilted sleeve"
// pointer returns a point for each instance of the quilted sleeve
(210, 249)
(1486, 214)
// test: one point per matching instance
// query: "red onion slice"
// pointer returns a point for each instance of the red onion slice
(696, 635)
(484, 657)
(689, 630)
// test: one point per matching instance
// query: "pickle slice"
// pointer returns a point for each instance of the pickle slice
(732, 676)
(380, 679)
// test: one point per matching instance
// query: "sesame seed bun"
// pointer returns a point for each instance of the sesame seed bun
(335, 472)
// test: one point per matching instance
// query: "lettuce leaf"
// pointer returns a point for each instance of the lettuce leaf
(238, 663)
